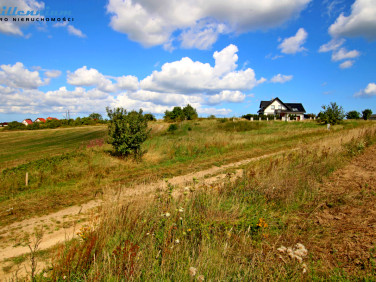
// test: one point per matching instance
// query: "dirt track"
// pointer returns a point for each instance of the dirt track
(65, 224)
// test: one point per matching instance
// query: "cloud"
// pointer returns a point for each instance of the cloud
(90, 77)
(332, 45)
(293, 45)
(196, 23)
(71, 29)
(369, 91)
(14, 28)
(129, 82)
(18, 76)
(347, 64)
(52, 73)
(361, 21)
(343, 54)
(177, 83)
(75, 31)
(280, 78)
(189, 77)
(226, 96)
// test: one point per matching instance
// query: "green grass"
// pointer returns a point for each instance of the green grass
(228, 232)
(63, 171)
(17, 147)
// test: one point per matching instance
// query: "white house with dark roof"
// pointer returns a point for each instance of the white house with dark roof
(277, 107)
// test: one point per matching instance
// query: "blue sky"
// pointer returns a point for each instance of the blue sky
(223, 57)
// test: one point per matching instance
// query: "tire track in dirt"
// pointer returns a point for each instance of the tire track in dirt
(73, 214)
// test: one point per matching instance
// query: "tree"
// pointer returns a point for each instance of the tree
(366, 114)
(179, 114)
(331, 114)
(353, 115)
(150, 117)
(127, 131)
(95, 116)
(189, 112)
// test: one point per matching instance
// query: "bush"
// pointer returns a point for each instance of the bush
(332, 114)
(366, 114)
(353, 115)
(172, 127)
(127, 131)
(179, 114)
(150, 117)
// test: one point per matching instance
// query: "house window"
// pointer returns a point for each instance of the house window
(295, 109)
(279, 107)
(273, 107)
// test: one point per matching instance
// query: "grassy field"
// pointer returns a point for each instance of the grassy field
(256, 228)
(227, 231)
(71, 166)
(19, 147)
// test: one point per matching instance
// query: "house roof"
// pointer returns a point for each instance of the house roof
(41, 119)
(28, 121)
(291, 107)
(51, 118)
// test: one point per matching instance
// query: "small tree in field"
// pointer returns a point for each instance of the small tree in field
(127, 131)
(366, 114)
(353, 115)
(331, 114)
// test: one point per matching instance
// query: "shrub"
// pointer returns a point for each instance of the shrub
(179, 114)
(127, 131)
(332, 114)
(95, 116)
(172, 127)
(150, 117)
(353, 115)
(366, 114)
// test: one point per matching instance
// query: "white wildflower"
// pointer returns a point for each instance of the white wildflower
(187, 188)
(177, 241)
(181, 209)
(167, 214)
(180, 218)
(192, 271)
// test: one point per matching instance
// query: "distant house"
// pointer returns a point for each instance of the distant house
(52, 118)
(3, 124)
(277, 107)
(372, 117)
(40, 120)
(27, 121)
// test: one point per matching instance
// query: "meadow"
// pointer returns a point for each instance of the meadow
(74, 165)
(226, 231)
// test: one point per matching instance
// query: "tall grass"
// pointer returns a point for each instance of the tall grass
(226, 232)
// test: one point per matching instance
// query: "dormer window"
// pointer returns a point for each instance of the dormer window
(295, 109)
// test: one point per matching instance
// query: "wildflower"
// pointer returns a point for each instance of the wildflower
(64, 277)
(192, 271)
(189, 230)
(147, 234)
(201, 278)
(282, 249)
(177, 241)
(187, 188)
(167, 214)
(181, 209)
(180, 218)
(304, 268)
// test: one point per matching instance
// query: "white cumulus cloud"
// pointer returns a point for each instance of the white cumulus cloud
(361, 21)
(19, 76)
(343, 54)
(199, 22)
(293, 44)
(280, 78)
(347, 64)
(369, 91)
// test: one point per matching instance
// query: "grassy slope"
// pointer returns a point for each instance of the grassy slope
(73, 178)
(18, 147)
(227, 232)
